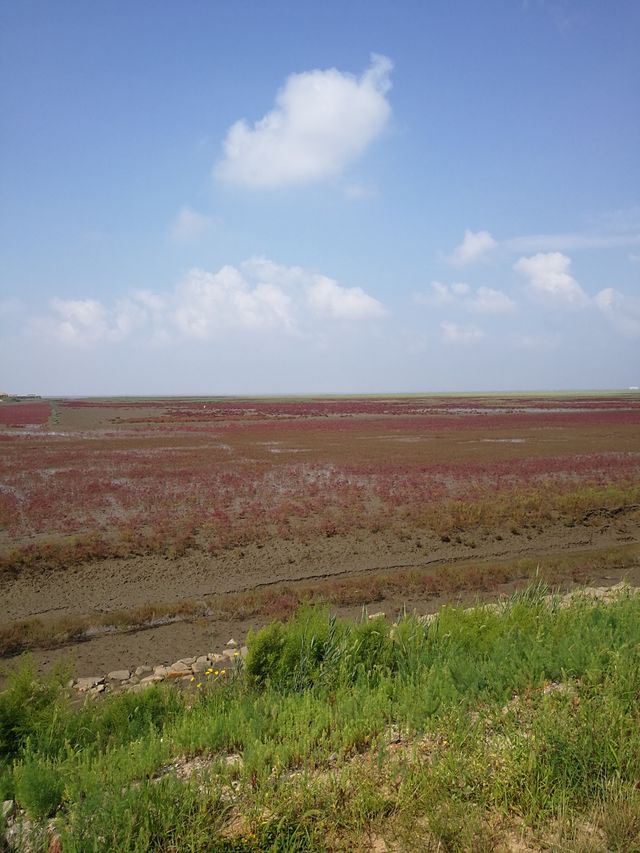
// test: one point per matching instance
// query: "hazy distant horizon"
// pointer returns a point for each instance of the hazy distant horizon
(331, 394)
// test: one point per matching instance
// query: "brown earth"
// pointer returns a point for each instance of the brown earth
(115, 585)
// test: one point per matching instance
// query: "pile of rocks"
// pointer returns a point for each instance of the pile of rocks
(186, 671)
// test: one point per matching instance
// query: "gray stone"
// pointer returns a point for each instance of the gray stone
(187, 661)
(231, 642)
(200, 665)
(8, 809)
(162, 671)
(119, 675)
(229, 653)
(178, 668)
(379, 615)
(85, 684)
(215, 658)
(141, 671)
(202, 659)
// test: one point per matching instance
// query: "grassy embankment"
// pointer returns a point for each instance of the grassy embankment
(467, 732)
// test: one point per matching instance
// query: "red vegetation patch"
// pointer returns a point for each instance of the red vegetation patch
(210, 474)
(24, 414)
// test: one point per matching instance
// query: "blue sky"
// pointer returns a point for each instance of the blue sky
(246, 197)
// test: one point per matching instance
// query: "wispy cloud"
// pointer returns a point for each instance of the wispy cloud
(617, 229)
(321, 122)
(360, 192)
(189, 225)
(481, 300)
(570, 241)
(453, 333)
(623, 312)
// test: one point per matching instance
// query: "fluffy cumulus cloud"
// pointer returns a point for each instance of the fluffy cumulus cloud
(327, 299)
(549, 279)
(453, 333)
(474, 246)
(482, 300)
(321, 122)
(189, 225)
(87, 321)
(258, 296)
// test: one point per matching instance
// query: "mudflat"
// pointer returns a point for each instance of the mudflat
(189, 520)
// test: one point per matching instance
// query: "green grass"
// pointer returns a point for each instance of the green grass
(458, 734)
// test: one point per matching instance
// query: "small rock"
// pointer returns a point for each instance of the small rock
(187, 661)
(8, 809)
(379, 615)
(151, 679)
(99, 688)
(231, 642)
(244, 651)
(234, 760)
(215, 658)
(161, 671)
(202, 659)
(85, 684)
(177, 669)
(119, 675)
(229, 653)
(141, 671)
(139, 688)
(200, 666)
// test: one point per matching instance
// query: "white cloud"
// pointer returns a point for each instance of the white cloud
(83, 322)
(258, 296)
(474, 245)
(490, 301)
(452, 333)
(484, 300)
(321, 122)
(79, 321)
(328, 299)
(550, 280)
(209, 302)
(189, 225)
(622, 311)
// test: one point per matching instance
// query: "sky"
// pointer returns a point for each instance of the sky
(364, 196)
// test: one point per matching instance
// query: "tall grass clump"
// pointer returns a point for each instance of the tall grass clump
(446, 733)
